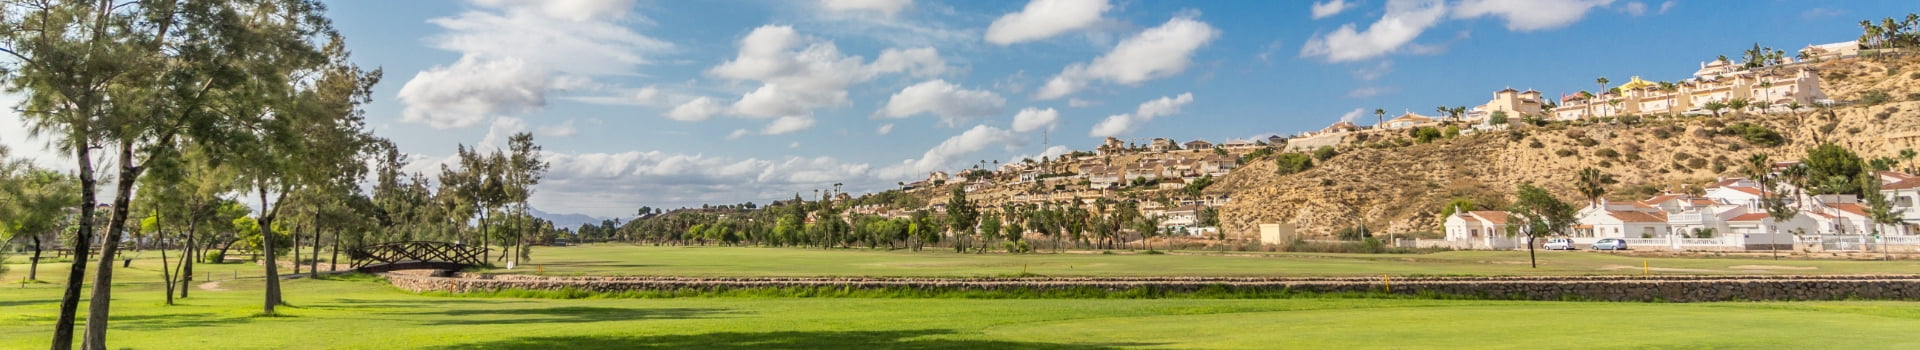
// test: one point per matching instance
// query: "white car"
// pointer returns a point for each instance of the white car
(1609, 244)
(1558, 244)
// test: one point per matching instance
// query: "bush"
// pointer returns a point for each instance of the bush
(1828, 129)
(1757, 135)
(1681, 156)
(1586, 142)
(1697, 163)
(1662, 133)
(1291, 163)
(1853, 130)
(1354, 233)
(1914, 75)
(1564, 153)
(1536, 144)
(1607, 152)
(1874, 97)
(1324, 153)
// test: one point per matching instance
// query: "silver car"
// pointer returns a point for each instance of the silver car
(1558, 244)
(1609, 244)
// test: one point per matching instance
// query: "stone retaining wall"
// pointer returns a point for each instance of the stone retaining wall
(1608, 288)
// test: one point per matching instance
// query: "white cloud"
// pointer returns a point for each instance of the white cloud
(1529, 15)
(795, 144)
(1369, 91)
(513, 53)
(611, 184)
(24, 145)
(1635, 8)
(1079, 103)
(1156, 53)
(1043, 19)
(1373, 71)
(1354, 115)
(1030, 119)
(1114, 125)
(1163, 106)
(1329, 8)
(1403, 21)
(697, 110)
(799, 74)
(1050, 152)
(498, 133)
(563, 130)
(948, 153)
(883, 129)
(1664, 6)
(738, 133)
(884, 7)
(1121, 124)
(787, 124)
(953, 104)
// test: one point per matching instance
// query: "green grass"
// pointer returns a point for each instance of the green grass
(607, 260)
(361, 312)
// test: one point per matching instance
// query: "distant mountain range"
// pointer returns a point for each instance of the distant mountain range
(571, 221)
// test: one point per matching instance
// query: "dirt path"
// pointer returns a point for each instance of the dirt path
(211, 287)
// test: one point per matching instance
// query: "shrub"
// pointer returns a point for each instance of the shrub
(1914, 75)
(1828, 129)
(1586, 142)
(1564, 153)
(1354, 233)
(1606, 164)
(1874, 97)
(1681, 156)
(1290, 163)
(1853, 130)
(1757, 135)
(1536, 144)
(1697, 163)
(1325, 153)
(1607, 152)
(1662, 133)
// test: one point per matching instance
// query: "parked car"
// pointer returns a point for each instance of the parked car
(1609, 244)
(1558, 244)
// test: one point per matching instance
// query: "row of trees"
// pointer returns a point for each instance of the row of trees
(185, 106)
(964, 226)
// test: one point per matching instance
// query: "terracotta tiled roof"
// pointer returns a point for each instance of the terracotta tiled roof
(1663, 198)
(1634, 216)
(1750, 217)
(1726, 182)
(1494, 216)
(1907, 184)
(1897, 175)
(1749, 190)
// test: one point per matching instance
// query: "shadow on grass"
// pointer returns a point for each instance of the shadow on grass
(175, 321)
(7, 303)
(570, 314)
(901, 339)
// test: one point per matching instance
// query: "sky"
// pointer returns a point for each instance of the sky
(678, 103)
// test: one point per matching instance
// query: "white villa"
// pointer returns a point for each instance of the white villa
(1716, 81)
(1486, 229)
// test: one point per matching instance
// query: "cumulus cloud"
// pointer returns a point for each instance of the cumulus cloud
(1404, 20)
(948, 154)
(1373, 71)
(884, 7)
(1050, 152)
(738, 133)
(951, 103)
(799, 74)
(1043, 19)
(1530, 15)
(787, 124)
(1354, 115)
(883, 129)
(697, 110)
(1121, 124)
(611, 184)
(1079, 103)
(1329, 8)
(1031, 119)
(1635, 8)
(1158, 52)
(513, 53)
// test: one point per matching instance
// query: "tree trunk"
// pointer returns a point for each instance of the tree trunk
(483, 236)
(334, 265)
(186, 262)
(33, 265)
(164, 275)
(266, 239)
(1530, 257)
(313, 266)
(296, 243)
(82, 244)
(99, 306)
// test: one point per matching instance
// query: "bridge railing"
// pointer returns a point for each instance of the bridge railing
(416, 251)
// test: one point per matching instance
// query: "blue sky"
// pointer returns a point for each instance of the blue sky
(677, 103)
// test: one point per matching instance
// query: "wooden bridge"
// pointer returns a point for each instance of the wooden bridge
(415, 255)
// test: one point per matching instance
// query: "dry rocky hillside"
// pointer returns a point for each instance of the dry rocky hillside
(1402, 189)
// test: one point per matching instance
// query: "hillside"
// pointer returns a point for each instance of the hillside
(1401, 189)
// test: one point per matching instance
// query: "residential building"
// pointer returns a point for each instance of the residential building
(1199, 145)
(1181, 217)
(1479, 229)
(1515, 103)
(1716, 81)
(1112, 146)
(1162, 145)
(1615, 220)
(1833, 51)
(1410, 120)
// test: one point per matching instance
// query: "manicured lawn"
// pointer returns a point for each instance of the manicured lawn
(366, 314)
(735, 261)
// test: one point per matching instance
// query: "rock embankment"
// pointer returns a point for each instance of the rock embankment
(1607, 288)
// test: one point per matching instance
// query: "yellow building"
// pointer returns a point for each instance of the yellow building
(1716, 81)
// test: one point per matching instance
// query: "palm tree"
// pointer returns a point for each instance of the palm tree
(1603, 90)
(1379, 116)
(1593, 184)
